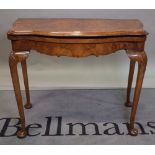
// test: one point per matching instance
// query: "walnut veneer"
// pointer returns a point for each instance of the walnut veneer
(77, 38)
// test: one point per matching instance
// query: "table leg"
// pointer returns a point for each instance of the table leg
(128, 103)
(14, 59)
(28, 104)
(141, 58)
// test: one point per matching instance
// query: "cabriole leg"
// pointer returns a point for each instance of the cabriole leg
(141, 59)
(128, 103)
(28, 105)
(14, 59)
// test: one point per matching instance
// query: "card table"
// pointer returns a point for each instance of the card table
(77, 38)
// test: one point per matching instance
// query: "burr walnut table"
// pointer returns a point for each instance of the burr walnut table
(77, 38)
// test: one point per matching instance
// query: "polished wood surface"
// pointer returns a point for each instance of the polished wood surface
(77, 27)
(77, 38)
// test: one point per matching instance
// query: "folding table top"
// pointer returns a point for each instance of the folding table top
(76, 27)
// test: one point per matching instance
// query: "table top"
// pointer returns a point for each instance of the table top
(76, 27)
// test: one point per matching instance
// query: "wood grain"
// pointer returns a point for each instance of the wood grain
(77, 27)
(77, 38)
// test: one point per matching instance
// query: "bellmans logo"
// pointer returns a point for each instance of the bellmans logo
(54, 126)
